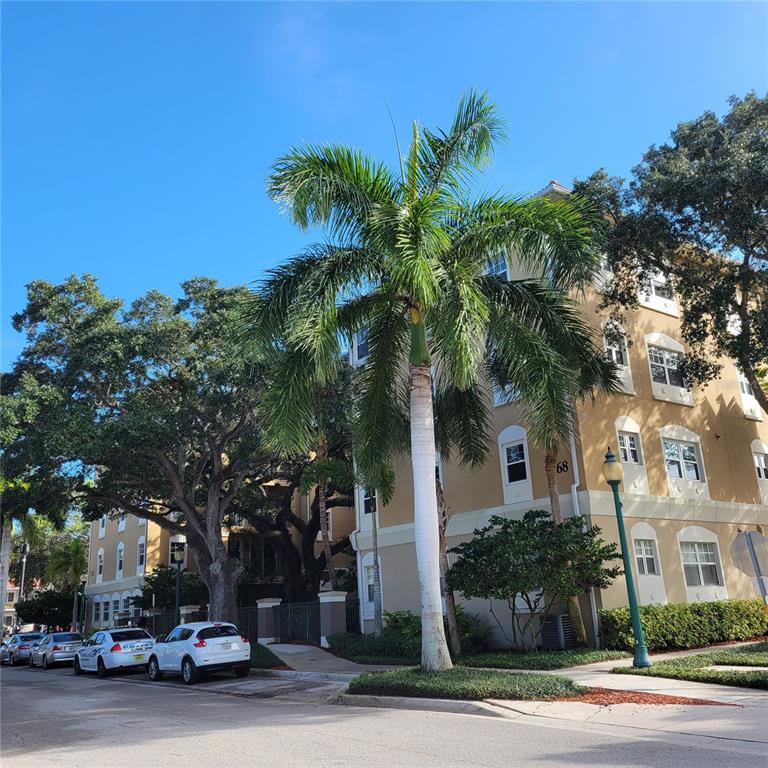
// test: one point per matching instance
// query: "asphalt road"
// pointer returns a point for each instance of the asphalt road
(52, 718)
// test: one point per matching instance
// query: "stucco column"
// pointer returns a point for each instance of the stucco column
(269, 622)
(333, 615)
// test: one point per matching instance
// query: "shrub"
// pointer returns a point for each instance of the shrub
(686, 625)
(388, 646)
(473, 631)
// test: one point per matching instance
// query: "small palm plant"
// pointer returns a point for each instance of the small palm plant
(407, 261)
(66, 564)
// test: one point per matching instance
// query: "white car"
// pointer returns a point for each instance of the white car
(202, 646)
(110, 649)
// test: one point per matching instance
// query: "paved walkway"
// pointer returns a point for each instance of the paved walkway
(310, 658)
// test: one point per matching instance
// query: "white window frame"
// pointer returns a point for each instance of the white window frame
(119, 560)
(669, 392)
(635, 475)
(517, 490)
(439, 469)
(373, 507)
(749, 404)
(645, 550)
(662, 360)
(682, 462)
(761, 465)
(684, 487)
(366, 606)
(115, 608)
(627, 450)
(701, 551)
(125, 603)
(102, 526)
(649, 296)
(759, 448)
(105, 610)
(121, 522)
(142, 521)
(498, 265)
(141, 555)
(97, 612)
(615, 349)
(100, 565)
(359, 359)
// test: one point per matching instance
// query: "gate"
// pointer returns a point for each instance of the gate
(248, 622)
(300, 623)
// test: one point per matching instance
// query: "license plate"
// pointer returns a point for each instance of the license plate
(225, 647)
(138, 656)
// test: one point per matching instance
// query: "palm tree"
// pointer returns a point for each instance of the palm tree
(66, 564)
(406, 260)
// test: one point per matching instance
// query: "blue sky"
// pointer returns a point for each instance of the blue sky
(137, 137)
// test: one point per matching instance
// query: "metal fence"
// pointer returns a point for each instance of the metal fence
(353, 615)
(300, 622)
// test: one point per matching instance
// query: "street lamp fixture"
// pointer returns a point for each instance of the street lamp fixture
(614, 474)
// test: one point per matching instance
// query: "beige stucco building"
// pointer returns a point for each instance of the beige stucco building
(695, 466)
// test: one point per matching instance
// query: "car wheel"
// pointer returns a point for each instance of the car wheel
(76, 667)
(189, 672)
(30, 663)
(242, 671)
(101, 670)
(12, 661)
(45, 662)
(153, 670)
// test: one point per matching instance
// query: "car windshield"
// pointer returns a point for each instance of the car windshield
(66, 637)
(225, 630)
(35, 636)
(130, 634)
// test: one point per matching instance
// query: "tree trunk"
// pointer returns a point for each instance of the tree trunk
(378, 618)
(434, 648)
(223, 579)
(324, 534)
(75, 611)
(5, 558)
(450, 603)
(572, 603)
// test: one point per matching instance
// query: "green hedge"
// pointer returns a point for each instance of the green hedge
(686, 625)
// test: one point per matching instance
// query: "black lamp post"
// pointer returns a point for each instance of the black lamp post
(613, 474)
(177, 555)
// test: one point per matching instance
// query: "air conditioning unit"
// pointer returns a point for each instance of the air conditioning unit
(557, 633)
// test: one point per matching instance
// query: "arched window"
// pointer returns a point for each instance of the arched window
(617, 351)
(97, 612)
(665, 357)
(630, 453)
(684, 463)
(702, 568)
(100, 566)
(659, 294)
(119, 560)
(141, 555)
(115, 607)
(650, 581)
(515, 465)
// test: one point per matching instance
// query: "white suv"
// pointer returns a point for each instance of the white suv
(202, 646)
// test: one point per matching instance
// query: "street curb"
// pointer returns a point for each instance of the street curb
(330, 677)
(480, 708)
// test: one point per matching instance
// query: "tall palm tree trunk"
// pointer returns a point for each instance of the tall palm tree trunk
(450, 602)
(378, 619)
(434, 648)
(572, 603)
(5, 556)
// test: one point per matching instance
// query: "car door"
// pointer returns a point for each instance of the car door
(39, 647)
(169, 650)
(92, 651)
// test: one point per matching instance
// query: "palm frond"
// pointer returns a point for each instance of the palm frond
(448, 159)
(331, 185)
(462, 422)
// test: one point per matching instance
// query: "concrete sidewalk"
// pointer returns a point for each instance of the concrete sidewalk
(310, 658)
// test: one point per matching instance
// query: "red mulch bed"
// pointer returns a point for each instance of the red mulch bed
(607, 696)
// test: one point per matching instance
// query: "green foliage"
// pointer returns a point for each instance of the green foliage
(406, 261)
(540, 659)
(386, 648)
(531, 561)
(695, 668)
(695, 209)
(161, 584)
(686, 625)
(46, 607)
(465, 684)
(473, 631)
(67, 563)
(263, 658)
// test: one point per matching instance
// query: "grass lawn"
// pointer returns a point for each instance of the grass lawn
(464, 683)
(263, 658)
(540, 659)
(694, 668)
